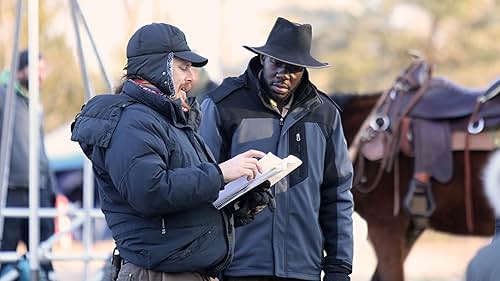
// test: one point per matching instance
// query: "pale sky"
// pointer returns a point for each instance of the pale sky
(216, 29)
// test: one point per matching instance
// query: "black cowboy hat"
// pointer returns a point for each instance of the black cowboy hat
(290, 43)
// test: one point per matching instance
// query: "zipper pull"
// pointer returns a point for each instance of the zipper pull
(281, 121)
(297, 138)
(163, 228)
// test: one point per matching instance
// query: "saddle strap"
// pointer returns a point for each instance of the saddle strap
(361, 178)
(405, 145)
(395, 199)
(394, 146)
(486, 141)
(356, 144)
(469, 218)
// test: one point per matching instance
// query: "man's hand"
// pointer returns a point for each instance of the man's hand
(244, 164)
(252, 203)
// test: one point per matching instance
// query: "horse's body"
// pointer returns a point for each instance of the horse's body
(393, 236)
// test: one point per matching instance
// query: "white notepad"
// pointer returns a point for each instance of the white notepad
(273, 170)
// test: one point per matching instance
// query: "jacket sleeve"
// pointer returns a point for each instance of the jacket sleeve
(210, 130)
(337, 206)
(136, 163)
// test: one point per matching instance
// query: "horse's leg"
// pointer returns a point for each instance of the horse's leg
(413, 232)
(410, 235)
(390, 245)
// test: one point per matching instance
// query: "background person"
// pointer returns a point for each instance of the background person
(16, 229)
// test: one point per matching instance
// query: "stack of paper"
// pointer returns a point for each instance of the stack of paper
(273, 170)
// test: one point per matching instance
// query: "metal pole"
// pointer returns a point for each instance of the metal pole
(8, 117)
(47, 244)
(12, 275)
(14, 256)
(83, 67)
(10, 257)
(34, 137)
(88, 179)
(12, 212)
(94, 47)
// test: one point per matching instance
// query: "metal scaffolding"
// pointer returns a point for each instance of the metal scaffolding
(41, 251)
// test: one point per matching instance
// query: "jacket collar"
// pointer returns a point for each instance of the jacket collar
(497, 228)
(163, 105)
(4, 80)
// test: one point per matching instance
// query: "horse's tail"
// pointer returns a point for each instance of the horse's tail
(491, 179)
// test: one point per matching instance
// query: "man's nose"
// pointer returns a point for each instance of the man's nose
(190, 76)
(283, 71)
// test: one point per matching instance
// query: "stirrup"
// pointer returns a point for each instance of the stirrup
(419, 200)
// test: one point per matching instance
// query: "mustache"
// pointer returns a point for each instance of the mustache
(281, 83)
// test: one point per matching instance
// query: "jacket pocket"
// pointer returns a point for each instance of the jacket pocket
(297, 146)
(160, 256)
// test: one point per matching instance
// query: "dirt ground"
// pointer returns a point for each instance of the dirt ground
(436, 257)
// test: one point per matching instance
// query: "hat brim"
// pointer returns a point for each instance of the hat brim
(195, 59)
(304, 61)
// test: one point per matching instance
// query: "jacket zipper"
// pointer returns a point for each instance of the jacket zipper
(297, 138)
(163, 228)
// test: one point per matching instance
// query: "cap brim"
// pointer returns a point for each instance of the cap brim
(195, 59)
(307, 62)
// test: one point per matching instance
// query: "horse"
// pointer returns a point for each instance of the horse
(391, 231)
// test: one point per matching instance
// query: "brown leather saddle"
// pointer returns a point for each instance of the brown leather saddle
(428, 118)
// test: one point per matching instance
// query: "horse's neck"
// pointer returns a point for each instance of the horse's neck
(355, 109)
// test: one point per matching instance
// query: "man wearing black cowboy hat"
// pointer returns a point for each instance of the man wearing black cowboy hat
(274, 107)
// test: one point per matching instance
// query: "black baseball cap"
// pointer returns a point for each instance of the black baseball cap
(162, 38)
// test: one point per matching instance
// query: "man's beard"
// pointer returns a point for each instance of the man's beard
(270, 93)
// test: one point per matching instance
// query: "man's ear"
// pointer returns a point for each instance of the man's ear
(261, 57)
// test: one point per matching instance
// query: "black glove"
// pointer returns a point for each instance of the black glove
(250, 204)
(336, 270)
(336, 276)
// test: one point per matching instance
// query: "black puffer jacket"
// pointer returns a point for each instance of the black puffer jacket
(156, 181)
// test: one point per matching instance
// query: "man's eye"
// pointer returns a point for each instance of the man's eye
(295, 68)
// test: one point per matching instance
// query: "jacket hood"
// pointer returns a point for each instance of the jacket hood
(153, 68)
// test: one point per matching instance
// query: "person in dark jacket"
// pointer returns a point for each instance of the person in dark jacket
(16, 229)
(156, 178)
(484, 265)
(274, 107)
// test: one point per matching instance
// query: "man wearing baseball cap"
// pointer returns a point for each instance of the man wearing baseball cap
(274, 107)
(156, 178)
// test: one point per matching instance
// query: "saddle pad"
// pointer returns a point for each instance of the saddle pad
(433, 153)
